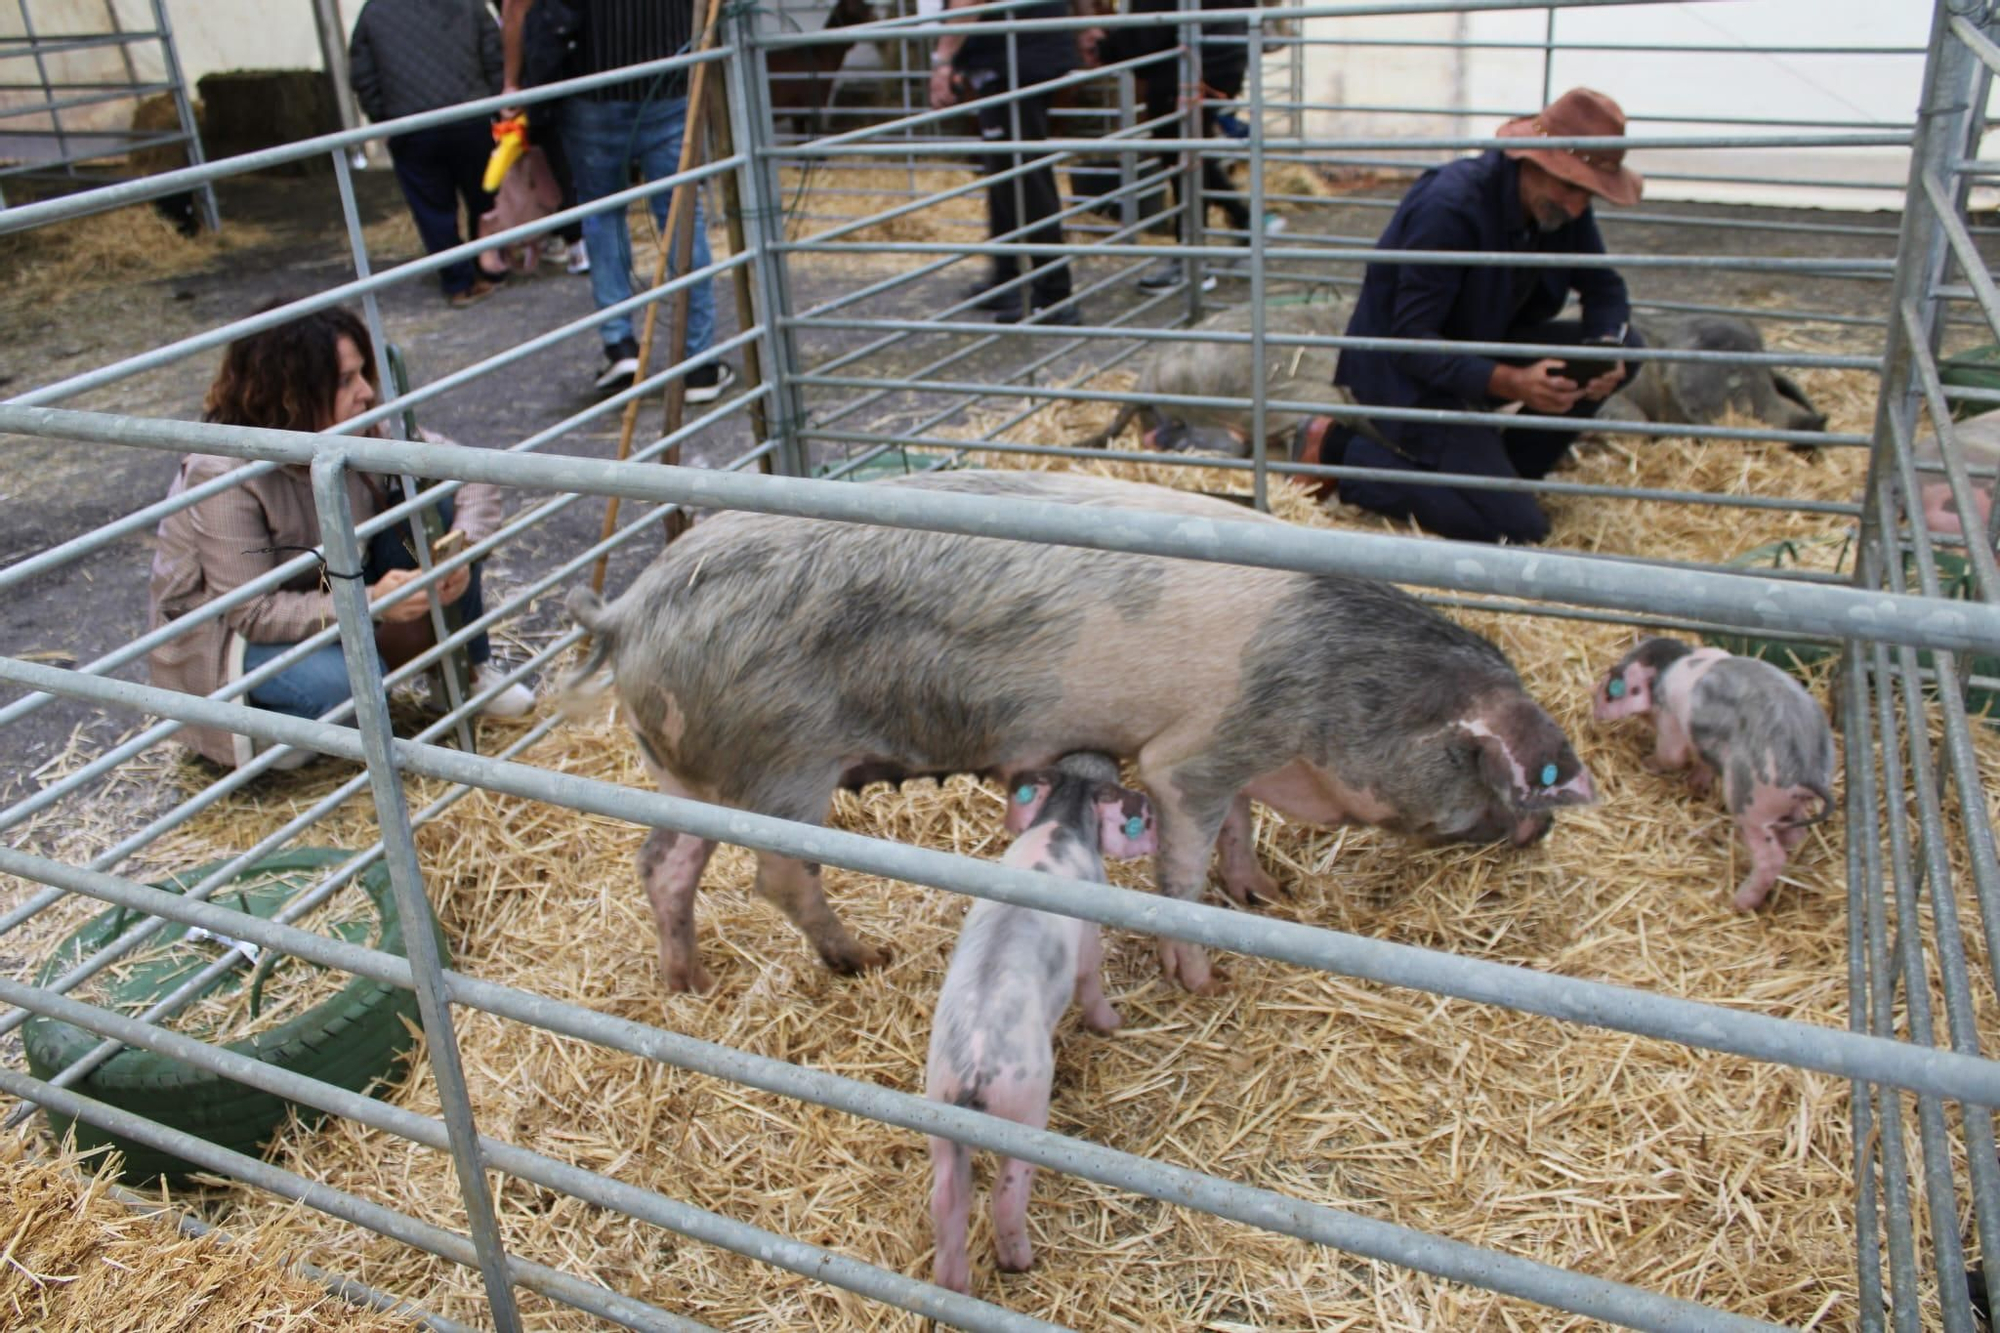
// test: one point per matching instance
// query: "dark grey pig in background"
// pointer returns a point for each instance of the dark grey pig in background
(1011, 979)
(1740, 717)
(762, 661)
(1229, 370)
(1701, 394)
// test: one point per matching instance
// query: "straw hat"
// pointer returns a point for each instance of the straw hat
(1580, 112)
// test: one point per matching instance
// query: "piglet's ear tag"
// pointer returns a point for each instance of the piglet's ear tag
(1134, 827)
(1024, 794)
(1549, 775)
(1615, 690)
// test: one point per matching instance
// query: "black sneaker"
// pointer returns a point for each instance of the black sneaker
(983, 297)
(621, 366)
(1065, 316)
(706, 383)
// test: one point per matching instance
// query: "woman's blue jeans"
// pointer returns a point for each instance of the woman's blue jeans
(318, 684)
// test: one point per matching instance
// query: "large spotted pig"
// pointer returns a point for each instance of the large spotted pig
(1011, 978)
(1740, 717)
(764, 661)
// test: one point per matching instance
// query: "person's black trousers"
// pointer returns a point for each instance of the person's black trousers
(1035, 191)
(1467, 514)
(440, 170)
(1159, 86)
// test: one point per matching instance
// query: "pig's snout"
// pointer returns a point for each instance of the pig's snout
(1531, 829)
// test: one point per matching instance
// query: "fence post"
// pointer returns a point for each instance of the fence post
(371, 715)
(1260, 389)
(751, 126)
(420, 531)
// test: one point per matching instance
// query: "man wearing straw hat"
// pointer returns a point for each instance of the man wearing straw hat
(1523, 200)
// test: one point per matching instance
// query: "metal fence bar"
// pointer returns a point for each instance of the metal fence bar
(364, 674)
(360, 1212)
(1465, 567)
(1334, 1227)
(1936, 1072)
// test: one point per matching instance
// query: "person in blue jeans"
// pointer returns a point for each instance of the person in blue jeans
(605, 131)
(309, 374)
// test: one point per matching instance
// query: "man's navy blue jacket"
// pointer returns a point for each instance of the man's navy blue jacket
(1473, 204)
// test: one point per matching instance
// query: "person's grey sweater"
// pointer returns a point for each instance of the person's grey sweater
(409, 56)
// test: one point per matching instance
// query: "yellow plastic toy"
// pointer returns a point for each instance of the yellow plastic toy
(510, 140)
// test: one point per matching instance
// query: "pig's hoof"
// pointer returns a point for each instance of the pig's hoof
(1258, 891)
(1188, 965)
(1108, 1021)
(1016, 1259)
(1751, 897)
(855, 958)
(690, 977)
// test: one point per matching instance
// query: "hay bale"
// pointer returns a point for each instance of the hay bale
(78, 1261)
(249, 109)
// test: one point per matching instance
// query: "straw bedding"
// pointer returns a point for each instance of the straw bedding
(74, 1260)
(1708, 1177)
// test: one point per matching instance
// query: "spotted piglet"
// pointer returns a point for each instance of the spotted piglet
(1740, 717)
(1011, 977)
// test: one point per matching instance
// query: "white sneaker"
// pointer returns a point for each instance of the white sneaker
(555, 250)
(517, 700)
(579, 258)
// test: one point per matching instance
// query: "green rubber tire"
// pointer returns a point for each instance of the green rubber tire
(351, 1040)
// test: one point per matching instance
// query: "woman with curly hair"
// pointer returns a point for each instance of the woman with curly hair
(310, 374)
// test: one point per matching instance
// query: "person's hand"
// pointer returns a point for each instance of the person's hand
(512, 110)
(416, 607)
(1089, 46)
(944, 90)
(1606, 384)
(1540, 387)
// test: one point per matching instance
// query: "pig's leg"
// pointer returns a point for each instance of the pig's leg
(1767, 858)
(670, 866)
(1700, 778)
(1188, 826)
(1097, 1010)
(1673, 748)
(793, 887)
(1245, 880)
(1028, 1103)
(951, 1206)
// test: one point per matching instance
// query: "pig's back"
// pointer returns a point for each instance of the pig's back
(1755, 723)
(763, 641)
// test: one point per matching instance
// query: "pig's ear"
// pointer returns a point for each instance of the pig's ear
(1026, 796)
(1525, 760)
(1125, 827)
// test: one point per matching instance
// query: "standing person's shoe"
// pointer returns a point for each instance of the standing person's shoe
(1169, 274)
(621, 366)
(579, 257)
(555, 250)
(983, 297)
(707, 383)
(517, 700)
(477, 292)
(1062, 316)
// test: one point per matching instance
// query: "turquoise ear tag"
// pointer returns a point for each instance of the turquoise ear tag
(1549, 775)
(1024, 794)
(1134, 826)
(1616, 689)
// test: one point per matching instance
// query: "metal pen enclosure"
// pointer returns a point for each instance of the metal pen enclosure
(954, 387)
